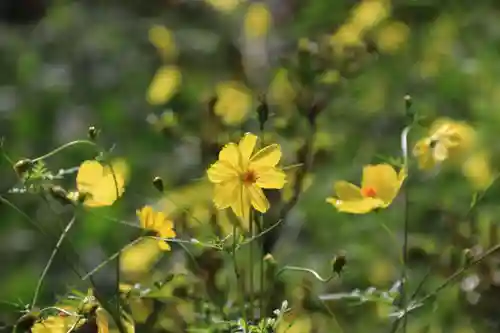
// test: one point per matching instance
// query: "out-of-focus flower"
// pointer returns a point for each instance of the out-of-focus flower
(257, 20)
(100, 185)
(447, 140)
(234, 101)
(364, 17)
(225, 6)
(164, 85)
(392, 36)
(240, 175)
(477, 170)
(379, 187)
(163, 39)
(157, 222)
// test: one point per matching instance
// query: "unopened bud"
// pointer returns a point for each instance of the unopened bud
(23, 166)
(60, 194)
(158, 184)
(338, 263)
(263, 113)
(92, 133)
(269, 259)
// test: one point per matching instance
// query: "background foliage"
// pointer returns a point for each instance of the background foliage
(68, 64)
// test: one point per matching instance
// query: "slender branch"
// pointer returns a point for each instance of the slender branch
(459, 273)
(111, 258)
(306, 270)
(63, 147)
(51, 259)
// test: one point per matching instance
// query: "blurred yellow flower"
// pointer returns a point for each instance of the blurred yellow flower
(447, 139)
(257, 20)
(391, 37)
(101, 184)
(379, 187)
(164, 85)
(157, 222)
(226, 6)
(233, 102)
(477, 170)
(163, 39)
(240, 175)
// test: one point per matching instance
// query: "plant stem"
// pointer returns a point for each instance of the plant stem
(261, 276)
(51, 259)
(251, 268)
(61, 148)
(307, 270)
(239, 282)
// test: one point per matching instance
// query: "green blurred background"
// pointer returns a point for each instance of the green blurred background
(67, 65)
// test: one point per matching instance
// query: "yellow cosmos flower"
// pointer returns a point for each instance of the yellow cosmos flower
(157, 222)
(101, 184)
(234, 100)
(379, 187)
(240, 175)
(447, 140)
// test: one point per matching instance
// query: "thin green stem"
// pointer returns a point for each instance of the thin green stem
(51, 259)
(251, 268)
(63, 147)
(261, 268)
(306, 270)
(111, 258)
(239, 282)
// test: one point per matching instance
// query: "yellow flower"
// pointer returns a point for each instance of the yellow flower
(164, 85)
(157, 222)
(240, 175)
(101, 184)
(477, 170)
(379, 187)
(447, 140)
(234, 100)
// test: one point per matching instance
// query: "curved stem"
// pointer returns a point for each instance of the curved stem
(61, 148)
(51, 259)
(306, 270)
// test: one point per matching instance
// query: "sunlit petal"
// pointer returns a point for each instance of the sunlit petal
(258, 198)
(383, 179)
(266, 157)
(231, 155)
(247, 145)
(362, 206)
(241, 204)
(347, 191)
(270, 178)
(225, 194)
(221, 171)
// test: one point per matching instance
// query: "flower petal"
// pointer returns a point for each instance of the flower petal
(270, 178)
(268, 156)
(258, 198)
(347, 191)
(145, 217)
(362, 206)
(231, 155)
(440, 151)
(247, 145)
(89, 173)
(220, 172)
(423, 152)
(225, 194)
(163, 245)
(241, 203)
(383, 179)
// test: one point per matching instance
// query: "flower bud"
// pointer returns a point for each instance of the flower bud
(158, 184)
(338, 263)
(23, 166)
(60, 194)
(263, 113)
(92, 133)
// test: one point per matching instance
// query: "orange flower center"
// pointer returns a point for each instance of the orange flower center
(368, 192)
(249, 177)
